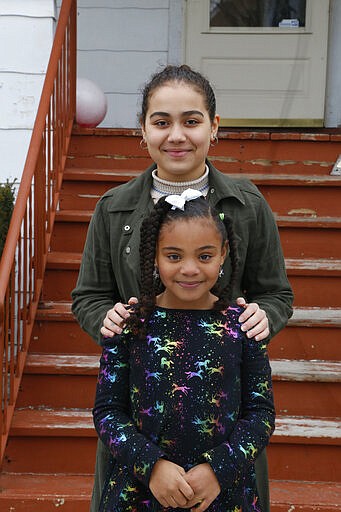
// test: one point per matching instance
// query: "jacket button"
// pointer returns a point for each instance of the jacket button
(128, 250)
(126, 228)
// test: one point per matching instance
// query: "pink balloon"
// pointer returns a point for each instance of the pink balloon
(91, 103)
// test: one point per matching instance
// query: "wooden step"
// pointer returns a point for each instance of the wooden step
(238, 150)
(311, 333)
(301, 448)
(305, 449)
(304, 496)
(315, 282)
(45, 492)
(302, 236)
(316, 383)
(49, 377)
(282, 192)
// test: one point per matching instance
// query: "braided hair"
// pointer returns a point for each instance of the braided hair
(161, 215)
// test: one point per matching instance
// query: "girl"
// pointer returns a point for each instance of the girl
(184, 398)
(179, 124)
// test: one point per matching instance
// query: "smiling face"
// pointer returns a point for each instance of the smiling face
(189, 255)
(178, 131)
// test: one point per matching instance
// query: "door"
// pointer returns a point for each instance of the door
(266, 59)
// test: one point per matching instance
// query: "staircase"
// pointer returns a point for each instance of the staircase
(50, 455)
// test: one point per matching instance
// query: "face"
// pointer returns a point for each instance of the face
(178, 131)
(189, 255)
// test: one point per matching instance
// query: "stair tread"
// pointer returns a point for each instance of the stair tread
(87, 364)
(302, 370)
(302, 316)
(282, 220)
(45, 485)
(78, 422)
(61, 259)
(89, 173)
(302, 493)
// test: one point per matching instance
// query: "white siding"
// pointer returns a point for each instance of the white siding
(26, 35)
(121, 43)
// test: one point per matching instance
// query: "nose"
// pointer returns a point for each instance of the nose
(189, 268)
(176, 133)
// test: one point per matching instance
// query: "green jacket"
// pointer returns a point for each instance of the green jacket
(110, 264)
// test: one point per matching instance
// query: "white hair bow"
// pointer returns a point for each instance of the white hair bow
(178, 201)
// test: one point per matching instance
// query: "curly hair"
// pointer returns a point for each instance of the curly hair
(161, 215)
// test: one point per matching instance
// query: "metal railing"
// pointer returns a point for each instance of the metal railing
(25, 253)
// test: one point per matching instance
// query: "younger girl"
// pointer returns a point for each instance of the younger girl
(184, 399)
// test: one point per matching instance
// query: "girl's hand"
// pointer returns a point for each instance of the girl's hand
(168, 485)
(255, 322)
(205, 485)
(113, 322)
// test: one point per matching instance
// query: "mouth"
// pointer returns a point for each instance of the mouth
(189, 285)
(177, 153)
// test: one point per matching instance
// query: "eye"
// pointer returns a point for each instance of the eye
(161, 123)
(205, 257)
(192, 122)
(173, 257)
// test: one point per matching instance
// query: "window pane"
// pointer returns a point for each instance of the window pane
(257, 13)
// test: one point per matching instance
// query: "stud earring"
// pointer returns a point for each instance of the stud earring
(214, 140)
(221, 271)
(156, 274)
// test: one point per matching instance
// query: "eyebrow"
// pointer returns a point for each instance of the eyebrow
(184, 114)
(203, 248)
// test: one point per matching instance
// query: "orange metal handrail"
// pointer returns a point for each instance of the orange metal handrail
(24, 257)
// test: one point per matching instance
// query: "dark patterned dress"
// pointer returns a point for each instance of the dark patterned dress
(196, 391)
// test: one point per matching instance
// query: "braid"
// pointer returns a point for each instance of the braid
(225, 294)
(150, 287)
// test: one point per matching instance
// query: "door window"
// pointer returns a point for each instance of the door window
(263, 13)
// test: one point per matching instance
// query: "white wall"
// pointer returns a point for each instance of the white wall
(121, 43)
(26, 35)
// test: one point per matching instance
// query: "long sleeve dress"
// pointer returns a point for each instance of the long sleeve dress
(196, 390)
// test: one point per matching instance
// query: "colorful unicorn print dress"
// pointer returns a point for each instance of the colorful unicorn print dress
(197, 390)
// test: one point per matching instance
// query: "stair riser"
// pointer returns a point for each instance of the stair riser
(230, 155)
(74, 391)
(61, 338)
(283, 200)
(321, 291)
(296, 242)
(51, 455)
(314, 399)
(304, 462)
(77, 455)
(307, 343)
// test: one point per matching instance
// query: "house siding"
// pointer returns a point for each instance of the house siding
(26, 35)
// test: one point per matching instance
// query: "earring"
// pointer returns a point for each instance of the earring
(143, 144)
(156, 274)
(214, 140)
(221, 271)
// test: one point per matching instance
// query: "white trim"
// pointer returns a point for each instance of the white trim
(333, 88)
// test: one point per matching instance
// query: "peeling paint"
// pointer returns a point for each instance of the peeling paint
(292, 507)
(317, 162)
(303, 211)
(58, 502)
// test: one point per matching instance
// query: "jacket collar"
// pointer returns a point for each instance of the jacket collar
(221, 187)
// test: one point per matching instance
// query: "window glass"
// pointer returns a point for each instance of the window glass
(257, 13)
